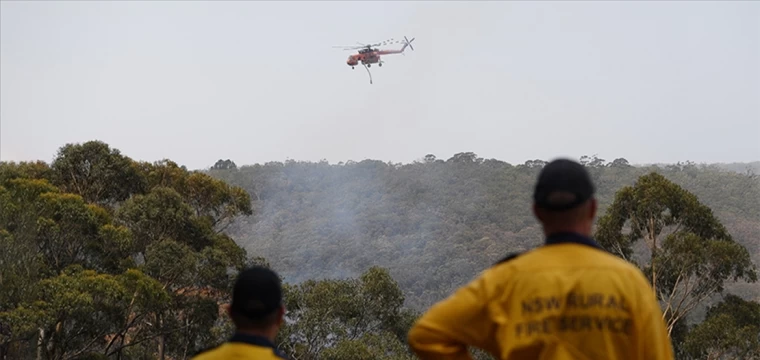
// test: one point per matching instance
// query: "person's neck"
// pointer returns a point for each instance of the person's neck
(268, 334)
(580, 230)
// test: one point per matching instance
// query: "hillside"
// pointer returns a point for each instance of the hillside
(436, 223)
(106, 257)
(752, 167)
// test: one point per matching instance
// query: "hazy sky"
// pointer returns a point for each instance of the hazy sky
(255, 81)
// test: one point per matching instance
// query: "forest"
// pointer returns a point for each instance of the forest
(106, 257)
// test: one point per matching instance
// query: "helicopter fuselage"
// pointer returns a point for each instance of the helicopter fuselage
(366, 58)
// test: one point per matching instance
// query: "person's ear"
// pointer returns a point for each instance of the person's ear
(227, 309)
(281, 314)
(593, 208)
(537, 213)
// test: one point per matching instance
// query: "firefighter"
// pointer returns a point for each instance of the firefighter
(567, 299)
(257, 310)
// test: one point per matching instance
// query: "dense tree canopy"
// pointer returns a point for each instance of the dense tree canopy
(346, 319)
(436, 223)
(105, 257)
(102, 256)
(731, 330)
(690, 253)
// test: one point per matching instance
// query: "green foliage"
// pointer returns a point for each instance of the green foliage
(383, 346)
(691, 254)
(224, 165)
(24, 170)
(436, 223)
(77, 309)
(211, 199)
(105, 257)
(102, 256)
(346, 319)
(731, 330)
(96, 172)
(158, 215)
(446, 219)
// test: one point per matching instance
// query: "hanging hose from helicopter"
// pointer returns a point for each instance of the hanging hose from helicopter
(370, 74)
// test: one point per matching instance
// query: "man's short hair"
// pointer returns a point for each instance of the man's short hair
(256, 296)
(562, 185)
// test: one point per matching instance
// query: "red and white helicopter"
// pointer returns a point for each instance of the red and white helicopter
(369, 54)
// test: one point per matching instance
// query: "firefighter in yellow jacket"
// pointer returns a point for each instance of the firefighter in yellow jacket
(566, 300)
(257, 311)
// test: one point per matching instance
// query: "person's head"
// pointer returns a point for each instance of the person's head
(563, 199)
(257, 305)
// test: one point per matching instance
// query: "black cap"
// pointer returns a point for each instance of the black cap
(257, 293)
(562, 185)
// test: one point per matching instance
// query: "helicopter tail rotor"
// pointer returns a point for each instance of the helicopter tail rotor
(408, 43)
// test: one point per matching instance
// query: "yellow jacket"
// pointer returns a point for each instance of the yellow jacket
(243, 347)
(567, 300)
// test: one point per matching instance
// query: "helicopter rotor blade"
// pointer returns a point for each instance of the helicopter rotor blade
(349, 47)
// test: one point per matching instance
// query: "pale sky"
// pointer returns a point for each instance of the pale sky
(255, 81)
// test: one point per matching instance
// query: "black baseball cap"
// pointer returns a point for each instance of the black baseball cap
(562, 185)
(257, 293)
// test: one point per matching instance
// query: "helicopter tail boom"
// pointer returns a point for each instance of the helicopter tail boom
(407, 43)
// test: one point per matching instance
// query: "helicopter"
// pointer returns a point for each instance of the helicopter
(369, 54)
